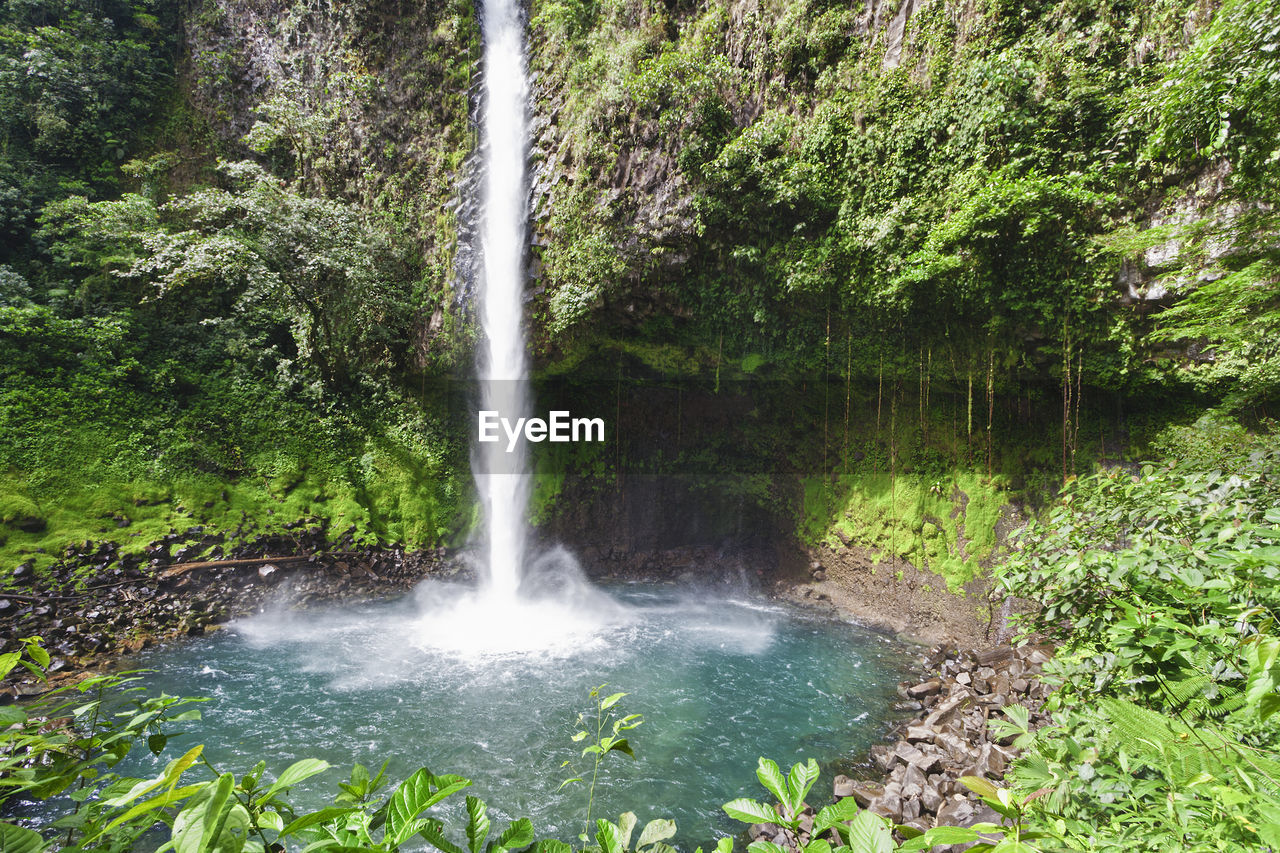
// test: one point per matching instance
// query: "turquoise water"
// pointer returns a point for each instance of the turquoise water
(719, 681)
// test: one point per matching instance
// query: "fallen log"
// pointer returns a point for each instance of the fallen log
(183, 568)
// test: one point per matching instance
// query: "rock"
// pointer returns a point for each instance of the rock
(915, 734)
(957, 747)
(883, 756)
(947, 708)
(957, 811)
(931, 759)
(931, 798)
(913, 775)
(887, 805)
(866, 792)
(925, 688)
(907, 754)
(842, 787)
(1037, 656)
(993, 656)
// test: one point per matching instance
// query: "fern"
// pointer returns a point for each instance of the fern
(1160, 742)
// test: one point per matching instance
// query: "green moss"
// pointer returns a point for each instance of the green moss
(944, 525)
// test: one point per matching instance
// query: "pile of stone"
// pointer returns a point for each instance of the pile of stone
(918, 773)
(950, 738)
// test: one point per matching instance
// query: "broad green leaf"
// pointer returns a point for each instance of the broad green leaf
(519, 834)
(771, 777)
(1264, 675)
(610, 701)
(609, 837)
(38, 654)
(414, 796)
(626, 826)
(325, 815)
(433, 831)
(750, 811)
(270, 820)
(1010, 845)
(759, 846)
(940, 835)
(167, 798)
(211, 821)
(477, 824)
(621, 745)
(869, 834)
(11, 715)
(7, 662)
(799, 781)
(655, 831)
(172, 771)
(551, 845)
(18, 839)
(979, 786)
(293, 774)
(838, 812)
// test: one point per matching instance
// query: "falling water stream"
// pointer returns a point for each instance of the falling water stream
(502, 365)
(525, 603)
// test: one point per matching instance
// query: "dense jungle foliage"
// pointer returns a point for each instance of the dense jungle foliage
(957, 252)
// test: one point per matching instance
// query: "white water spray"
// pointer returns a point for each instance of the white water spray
(502, 366)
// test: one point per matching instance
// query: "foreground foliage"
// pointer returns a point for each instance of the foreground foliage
(70, 740)
(1162, 589)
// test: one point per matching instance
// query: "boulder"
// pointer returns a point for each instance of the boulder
(925, 688)
(842, 787)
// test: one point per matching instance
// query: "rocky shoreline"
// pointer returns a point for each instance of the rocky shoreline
(914, 778)
(96, 604)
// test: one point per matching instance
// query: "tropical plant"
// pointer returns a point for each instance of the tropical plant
(606, 729)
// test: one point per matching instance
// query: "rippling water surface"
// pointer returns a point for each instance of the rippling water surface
(719, 680)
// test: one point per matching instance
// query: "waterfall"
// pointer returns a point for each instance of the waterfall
(526, 604)
(502, 365)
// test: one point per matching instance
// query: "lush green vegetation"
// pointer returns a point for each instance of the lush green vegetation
(1161, 589)
(972, 190)
(187, 341)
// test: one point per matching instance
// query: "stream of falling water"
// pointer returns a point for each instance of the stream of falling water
(502, 366)
(526, 604)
